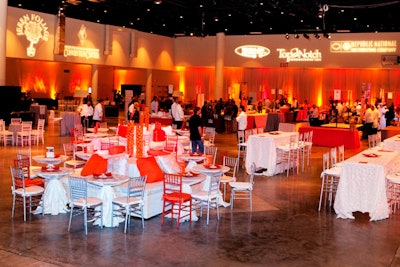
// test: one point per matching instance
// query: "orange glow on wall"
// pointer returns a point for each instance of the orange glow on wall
(182, 81)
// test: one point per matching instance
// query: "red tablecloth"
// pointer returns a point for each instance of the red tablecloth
(302, 115)
(250, 122)
(163, 121)
(332, 137)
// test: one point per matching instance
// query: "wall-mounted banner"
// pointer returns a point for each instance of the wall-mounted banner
(299, 55)
(252, 51)
(35, 29)
(364, 46)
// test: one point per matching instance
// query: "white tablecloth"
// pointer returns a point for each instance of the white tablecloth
(55, 197)
(261, 149)
(392, 143)
(362, 184)
(106, 190)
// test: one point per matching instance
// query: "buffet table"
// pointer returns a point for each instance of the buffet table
(392, 143)
(256, 120)
(362, 184)
(389, 131)
(162, 120)
(332, 137)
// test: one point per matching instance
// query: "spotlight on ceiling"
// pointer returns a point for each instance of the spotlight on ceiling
(157, 2)
(320, 13)
(296, 36)
(316, 35)
(327, 35)
(287, 36)
(305, 35)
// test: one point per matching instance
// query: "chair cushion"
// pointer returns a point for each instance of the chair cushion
(158, 135)
(122, 130)
(32, 182)
(153, 152)
(116, 150)
(95, 165)
(177, 197)
(241, 185)
(148, 166)
(168, 164)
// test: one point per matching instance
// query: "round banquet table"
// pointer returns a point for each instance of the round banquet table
(50, 161)
(55, 197)
(209, 172)
(192, 157)
(95, 135)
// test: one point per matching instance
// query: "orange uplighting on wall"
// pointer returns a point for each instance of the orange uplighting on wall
(181, 71)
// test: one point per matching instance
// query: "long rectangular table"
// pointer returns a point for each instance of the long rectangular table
(332, 137)
(362, 184)
(392, 143)
(261, 149)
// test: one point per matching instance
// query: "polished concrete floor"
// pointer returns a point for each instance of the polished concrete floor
(284, 229)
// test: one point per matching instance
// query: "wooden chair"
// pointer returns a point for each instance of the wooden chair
(38, 134)
(25, 134)
(175, 202)
(5, 135)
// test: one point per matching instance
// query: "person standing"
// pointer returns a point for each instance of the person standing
(196, 131)
(382, 119)
(241, 120)
(98, 112)
(369, 119)
(86, 112)
(154, 105)
(178, 114)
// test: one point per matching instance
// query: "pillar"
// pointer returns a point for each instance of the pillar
(219, 66)
(95, 83)
(149, 83)
(3, 33)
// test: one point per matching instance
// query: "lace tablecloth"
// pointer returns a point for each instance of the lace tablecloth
(362, 185)
(392, 143)
(261, 149)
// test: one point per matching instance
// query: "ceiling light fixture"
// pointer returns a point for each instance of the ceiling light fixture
(287, 36)
(327, 36)
(305, 35)
(157, 2)
(316, 35)
(296, 36)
